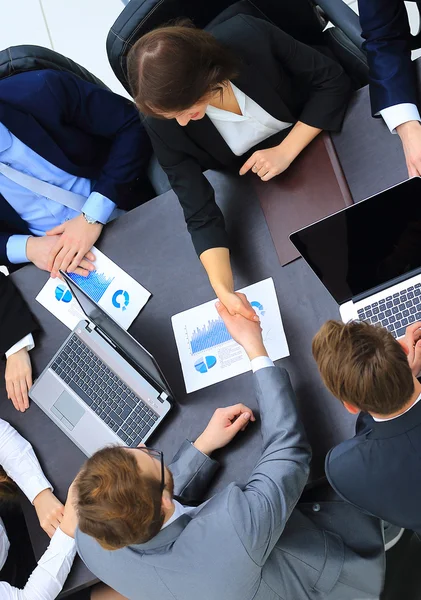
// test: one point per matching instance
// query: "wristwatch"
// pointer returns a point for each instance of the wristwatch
(89, 219)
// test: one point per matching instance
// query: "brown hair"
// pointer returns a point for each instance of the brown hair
(116, 503)
(173, 67)
(363, 365)
(8, 489)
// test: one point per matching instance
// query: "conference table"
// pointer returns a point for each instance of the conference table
(151, 244)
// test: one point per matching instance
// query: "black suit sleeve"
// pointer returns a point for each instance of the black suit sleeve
(16, 320)
(204, 218)
(385, 27)
(318, 77)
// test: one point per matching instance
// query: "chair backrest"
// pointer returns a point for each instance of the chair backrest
(296, 17)
(18, 59)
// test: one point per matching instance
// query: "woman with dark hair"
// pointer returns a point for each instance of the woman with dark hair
(246, 95)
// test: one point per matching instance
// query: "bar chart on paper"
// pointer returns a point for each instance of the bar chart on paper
(208, 353)
(95, 284)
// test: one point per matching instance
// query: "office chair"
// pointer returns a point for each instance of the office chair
(18, 59)
(305, 20)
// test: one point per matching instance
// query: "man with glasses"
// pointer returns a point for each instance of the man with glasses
(139, 533)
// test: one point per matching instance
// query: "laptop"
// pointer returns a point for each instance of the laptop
(102, 387)
(368, 256)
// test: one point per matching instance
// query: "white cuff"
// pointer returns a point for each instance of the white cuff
(26, 342)
(62, 542)
(399, 113)
(261, 362)
(35, 485)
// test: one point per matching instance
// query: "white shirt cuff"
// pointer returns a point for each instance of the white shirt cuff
(261, 362)
(26, 342)
(399, 113)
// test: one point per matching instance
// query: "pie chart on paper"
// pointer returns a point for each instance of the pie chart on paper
(205, 363)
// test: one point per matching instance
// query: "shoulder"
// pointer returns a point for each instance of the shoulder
(346, 463)
(241, 29)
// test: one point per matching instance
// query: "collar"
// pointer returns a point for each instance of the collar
(167, 536)
(397, 416)
(404, 423)
(5, 138)
(178, 511)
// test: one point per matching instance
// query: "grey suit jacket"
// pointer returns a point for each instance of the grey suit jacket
(251, 543)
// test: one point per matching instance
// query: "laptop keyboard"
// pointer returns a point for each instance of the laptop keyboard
(104, 392)
(395, 312)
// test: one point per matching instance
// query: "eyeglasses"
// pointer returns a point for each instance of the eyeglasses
(158, 455)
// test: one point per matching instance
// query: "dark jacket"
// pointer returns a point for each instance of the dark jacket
(16, 320)
(385, 27)
(79, 127)
(378, 470)
(288, 79)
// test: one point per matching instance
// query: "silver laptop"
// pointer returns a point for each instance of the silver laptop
(102, 387)
(368, 256)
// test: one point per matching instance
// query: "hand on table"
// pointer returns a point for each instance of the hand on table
(223, 427)
(267, 163)
(70, 251)
(49, 510)
(19, 379)
(38, 250)
(69, 523)
(237, 304)
(412, 345)
(410, 134)
(245, 332)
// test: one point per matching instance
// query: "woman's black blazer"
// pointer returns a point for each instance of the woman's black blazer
(290, 80)
(16, 320)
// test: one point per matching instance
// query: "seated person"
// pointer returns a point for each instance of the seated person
(137, 532)
(247, 96)
(16, 326)
(62, 130)
(369, 371)
(21, 465)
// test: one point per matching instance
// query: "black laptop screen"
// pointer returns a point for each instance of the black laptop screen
(367, 244)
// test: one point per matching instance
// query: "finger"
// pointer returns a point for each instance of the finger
(18, 395)
(90, 256)
(248, 165)
(248, 313)
(87, 265)
(263, 169)
(75, 262)
(29, 380)
(269, 175)
(82, 272)
(222, 311)
(241, 422)
(24, 394)
(56, 249)
(66, 260)
(237, 409)
(54, 522)
(417, 358)
(49, 530)
(11, 394)
(56, 230)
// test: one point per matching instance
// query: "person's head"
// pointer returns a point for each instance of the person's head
(8, 489)
(364, 367)
(175, 70)
(123, 496)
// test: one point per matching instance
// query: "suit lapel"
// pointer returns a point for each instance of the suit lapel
(256, 87)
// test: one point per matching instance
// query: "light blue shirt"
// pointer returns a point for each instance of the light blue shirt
(39, 212)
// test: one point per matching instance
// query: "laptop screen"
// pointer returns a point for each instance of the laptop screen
(367, 244)
(131, 347)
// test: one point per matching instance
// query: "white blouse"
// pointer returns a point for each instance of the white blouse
(242, 132)
(20, 463)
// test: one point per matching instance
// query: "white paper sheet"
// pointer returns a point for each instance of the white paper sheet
(207, 352)
(113, 289)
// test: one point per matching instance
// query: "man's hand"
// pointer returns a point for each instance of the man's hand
(70, 520)
(223, 427)
(38, 250)
(49, 510)
(410, 134)
(237, 304)
(19, 379)
(411, 343)
(76, 238)
(245, 332)
(267, 163)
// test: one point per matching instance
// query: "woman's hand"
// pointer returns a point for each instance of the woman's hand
(267, 163)
(237, 304)
(50, 511)
(19, 379)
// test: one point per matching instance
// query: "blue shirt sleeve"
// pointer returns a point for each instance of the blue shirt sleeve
(98, 207)
(16, 249)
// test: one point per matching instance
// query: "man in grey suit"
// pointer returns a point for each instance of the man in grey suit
(257, 542)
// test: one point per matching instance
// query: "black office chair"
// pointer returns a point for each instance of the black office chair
(305, 20)
(18, 59)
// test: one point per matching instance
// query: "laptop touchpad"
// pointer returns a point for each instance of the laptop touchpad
(68, 410)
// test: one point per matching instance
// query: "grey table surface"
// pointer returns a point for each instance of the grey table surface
(152, 245)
